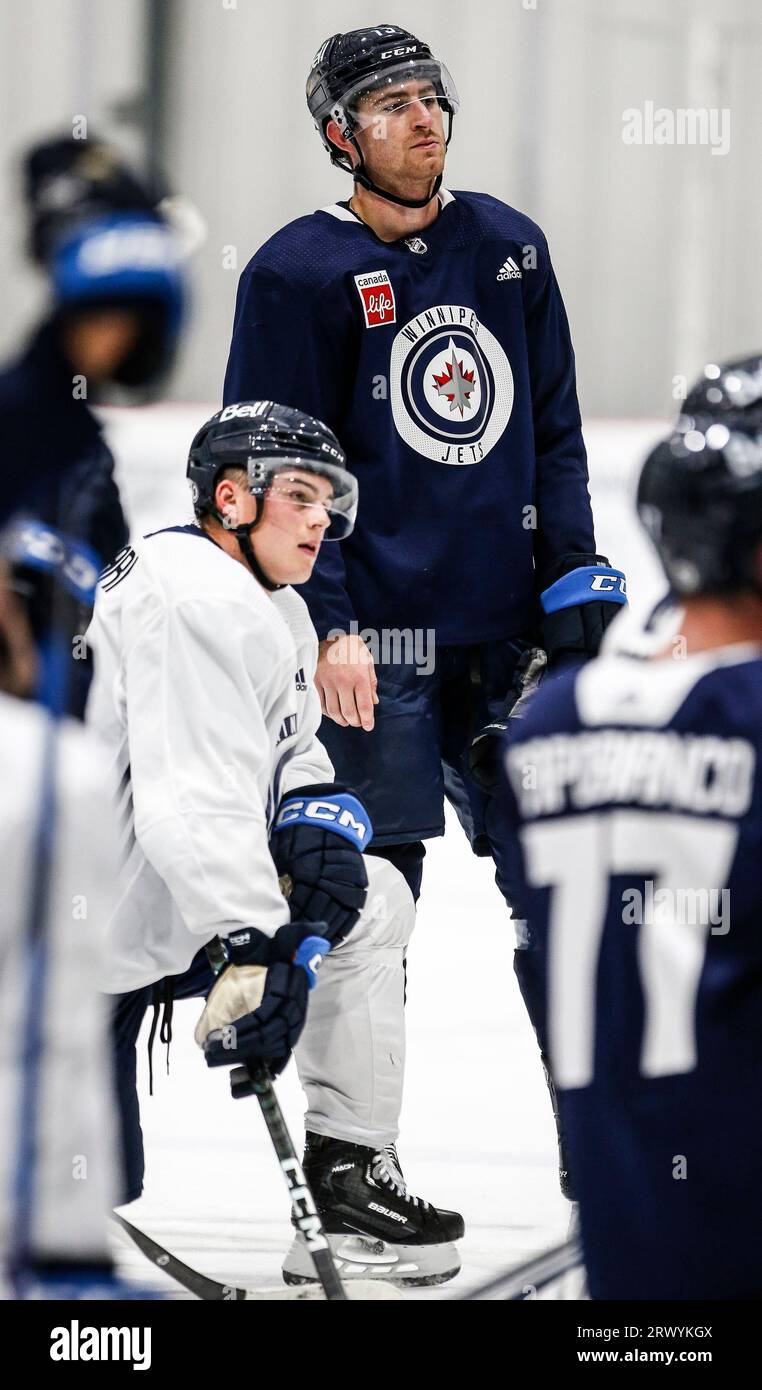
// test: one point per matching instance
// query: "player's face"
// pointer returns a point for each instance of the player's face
(401, 135)
(294, 522)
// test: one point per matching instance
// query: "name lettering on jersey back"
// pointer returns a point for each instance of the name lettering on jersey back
(688, 772)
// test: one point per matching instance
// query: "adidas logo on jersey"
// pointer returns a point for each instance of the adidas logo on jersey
(301, 683)
(509, 270)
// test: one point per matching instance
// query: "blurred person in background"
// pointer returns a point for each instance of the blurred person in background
(113, 263)
(58, 848)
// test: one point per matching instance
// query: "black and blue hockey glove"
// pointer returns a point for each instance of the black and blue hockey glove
(581, 597)
(317, 845)
(256, 1008)
(484, 754)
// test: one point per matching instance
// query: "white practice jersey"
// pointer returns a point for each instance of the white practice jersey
(204, 693)
(57, 1123)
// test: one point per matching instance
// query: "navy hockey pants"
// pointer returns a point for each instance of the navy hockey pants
(128, 1015)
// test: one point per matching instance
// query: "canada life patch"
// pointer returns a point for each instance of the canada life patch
(375, 291)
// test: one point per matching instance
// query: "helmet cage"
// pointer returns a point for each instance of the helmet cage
(350, 117)
(341, 507)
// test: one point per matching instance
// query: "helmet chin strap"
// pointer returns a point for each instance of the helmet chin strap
(242, 534)
(362, 178)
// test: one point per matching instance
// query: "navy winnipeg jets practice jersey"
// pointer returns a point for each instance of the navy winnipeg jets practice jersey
(443, 363)
(636, 787)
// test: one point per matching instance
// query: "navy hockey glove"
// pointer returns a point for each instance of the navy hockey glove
(583, 597)
(256, 1007)
(317, 845)
(484, 754)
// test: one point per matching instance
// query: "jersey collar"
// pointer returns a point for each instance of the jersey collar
(343, 213)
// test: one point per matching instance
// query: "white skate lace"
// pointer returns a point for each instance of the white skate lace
(384, 1169)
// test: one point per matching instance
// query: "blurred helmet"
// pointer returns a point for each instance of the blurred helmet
(125, 260)
(726, 392)
(100, 233)
(700, 499)
(353, 66)
(68, 181)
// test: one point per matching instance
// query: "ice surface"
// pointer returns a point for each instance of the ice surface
(477, 1132)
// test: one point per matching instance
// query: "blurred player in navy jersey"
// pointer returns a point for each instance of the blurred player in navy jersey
(635, 785)
(427, 328)
(58, 846)
(113, 264)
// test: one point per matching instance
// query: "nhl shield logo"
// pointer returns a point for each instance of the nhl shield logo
(451, 385)
(377, 297)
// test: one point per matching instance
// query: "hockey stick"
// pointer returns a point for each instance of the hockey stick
(524, 1281)
(214, 1291)
(256, 1080)
(243, 1082)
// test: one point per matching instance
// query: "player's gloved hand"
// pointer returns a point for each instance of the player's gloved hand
(256, 1008)
(582, 596)
(484, 754)
(317, 845)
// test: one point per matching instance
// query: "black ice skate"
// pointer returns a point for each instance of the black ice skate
(375, 1227)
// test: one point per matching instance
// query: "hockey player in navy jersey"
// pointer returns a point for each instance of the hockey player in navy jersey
(636, 787)
(427, 328)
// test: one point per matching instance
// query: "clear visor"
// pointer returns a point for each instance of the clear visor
(391, 92)
(304, 483)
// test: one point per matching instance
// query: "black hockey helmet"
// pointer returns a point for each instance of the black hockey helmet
(268, 440)
(726, 392)
(350, 66)
(108, 238)
(69, 181)
(700, 499)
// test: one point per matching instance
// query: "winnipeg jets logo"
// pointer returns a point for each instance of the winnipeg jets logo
(451, 385)
(456, 384)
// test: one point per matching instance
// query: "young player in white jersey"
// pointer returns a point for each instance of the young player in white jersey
(205, 658)
(58, 848)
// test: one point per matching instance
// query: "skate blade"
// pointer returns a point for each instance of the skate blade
(362, 1257)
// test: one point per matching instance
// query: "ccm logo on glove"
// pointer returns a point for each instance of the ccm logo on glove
(343, 814)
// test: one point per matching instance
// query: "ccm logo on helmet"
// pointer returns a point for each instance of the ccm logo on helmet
(399, 52)
(322, 811)
(604, 583)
